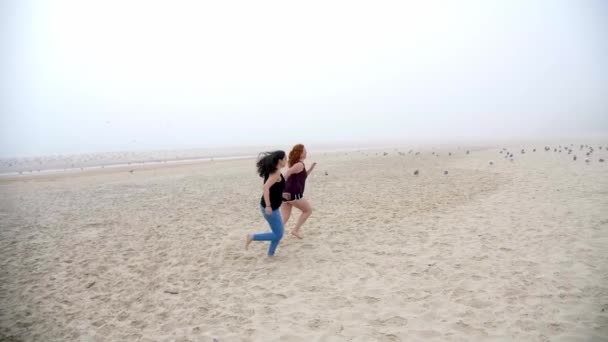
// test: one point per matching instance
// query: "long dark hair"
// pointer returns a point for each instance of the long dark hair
(268, 162)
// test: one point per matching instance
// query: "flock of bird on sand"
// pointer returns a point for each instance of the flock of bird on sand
(569, 149)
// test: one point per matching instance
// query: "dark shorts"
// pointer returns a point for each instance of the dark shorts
(288, 196)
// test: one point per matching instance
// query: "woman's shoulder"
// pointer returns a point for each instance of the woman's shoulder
(299, 166)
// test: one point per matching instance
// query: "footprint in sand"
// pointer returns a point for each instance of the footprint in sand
(370, 300)
(392, 321)
(318, 324)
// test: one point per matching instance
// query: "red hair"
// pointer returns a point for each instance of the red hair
(295, 154)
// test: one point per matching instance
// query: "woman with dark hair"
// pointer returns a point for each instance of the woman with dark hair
(294, 189)
(269, 165)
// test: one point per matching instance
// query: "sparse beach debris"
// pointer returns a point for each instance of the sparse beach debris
(131, 171)
(468, 152)
(416, 173)
(171, 292)
(587, 160)
(327, 174)
(601, 160)
(445, 172)
(574, 158)
(90, 284)
(491, 162)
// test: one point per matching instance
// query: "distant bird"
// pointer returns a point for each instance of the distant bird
(587, 160)
(417, 153)
(385, 154)
(554, 150)
(523, 151)
(491, 162)
(131, 171)
(327, 174)
(574, 158)
(416, 173)
(449, 154)
(601, 160)
(511, 159)
(500, 152)
(468, 152)
(445, 172)
(534, 150)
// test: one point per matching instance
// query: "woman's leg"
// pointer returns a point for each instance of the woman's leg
(306, 209)
(276, 225)
(286, 211)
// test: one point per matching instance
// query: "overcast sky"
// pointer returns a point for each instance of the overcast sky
(107, 75)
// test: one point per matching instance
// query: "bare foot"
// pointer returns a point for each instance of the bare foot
(296, 233)
(248, 241)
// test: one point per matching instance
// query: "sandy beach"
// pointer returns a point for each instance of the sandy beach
(509, 251)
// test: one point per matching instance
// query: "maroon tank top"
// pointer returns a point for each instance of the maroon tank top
(296, 182)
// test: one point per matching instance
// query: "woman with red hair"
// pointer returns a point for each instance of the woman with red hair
(294, 188)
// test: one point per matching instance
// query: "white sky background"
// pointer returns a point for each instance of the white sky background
(86, 76)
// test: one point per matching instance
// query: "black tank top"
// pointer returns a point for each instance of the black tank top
(276, 194)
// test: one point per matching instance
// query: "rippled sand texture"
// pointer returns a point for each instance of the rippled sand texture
(515, 251)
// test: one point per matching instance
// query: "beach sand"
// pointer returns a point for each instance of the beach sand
(514, 251)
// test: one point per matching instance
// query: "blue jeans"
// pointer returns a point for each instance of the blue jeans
(276, 225)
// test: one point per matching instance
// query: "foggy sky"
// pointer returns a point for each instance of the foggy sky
(91, 76)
